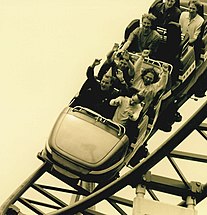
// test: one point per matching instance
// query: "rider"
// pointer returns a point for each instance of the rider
(120, 66)
(127, 113)
(165, 12)
(96, 94)
(145, 37)
(147, 80)
(191, 21)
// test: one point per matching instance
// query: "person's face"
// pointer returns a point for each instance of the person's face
(105, 83)
(169, 3)
(146, 24)
(134, 100)
(122, 64)
(192, 10)
(148, 78)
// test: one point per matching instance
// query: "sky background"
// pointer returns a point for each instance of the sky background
(45, 49)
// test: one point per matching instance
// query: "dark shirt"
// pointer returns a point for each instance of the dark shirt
(92, 97)
(143, 41)
(165, 16)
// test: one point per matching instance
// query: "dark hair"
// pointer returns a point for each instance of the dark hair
(151, 70)
(197, 4)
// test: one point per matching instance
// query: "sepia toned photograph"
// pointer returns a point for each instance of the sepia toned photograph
(103, 107)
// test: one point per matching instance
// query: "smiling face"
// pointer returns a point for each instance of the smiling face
(192, 10)
(122, 64)
(106, 83)
(169, 3)
(148, 78)
(146, 24)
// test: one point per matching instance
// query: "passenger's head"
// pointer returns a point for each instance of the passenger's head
(148, 21)
(149, 76)
(122, 64)
(170, 3)
(106, 82)
(194, 7)
(121, 60)
(136, 99)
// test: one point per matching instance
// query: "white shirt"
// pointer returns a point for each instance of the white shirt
(191, 27)
(121, 115)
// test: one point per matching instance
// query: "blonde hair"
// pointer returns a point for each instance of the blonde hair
(149, 16)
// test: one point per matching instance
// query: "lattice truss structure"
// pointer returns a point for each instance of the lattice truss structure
(47, 192)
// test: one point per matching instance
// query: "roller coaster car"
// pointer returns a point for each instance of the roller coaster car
(84, 144)
(189, 63)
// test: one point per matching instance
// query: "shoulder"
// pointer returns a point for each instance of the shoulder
(199, 18)
(184, 14)
(159, 6)
(134, 33)
(154, 32)
(137, 30)
(176, 10)
(156, 35)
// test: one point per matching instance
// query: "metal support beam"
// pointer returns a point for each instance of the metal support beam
(141, 168)
(201, 129)
(24, 186)
(189, 156)
(179, 172)
(121, 201)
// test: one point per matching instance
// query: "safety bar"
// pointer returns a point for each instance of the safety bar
(152, 61)
(121, 129)
(162, 32)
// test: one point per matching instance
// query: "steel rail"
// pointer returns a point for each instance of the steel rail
(136, 173)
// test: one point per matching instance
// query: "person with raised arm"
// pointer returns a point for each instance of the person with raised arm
(120, 66)
(95, 94)
(147, 80)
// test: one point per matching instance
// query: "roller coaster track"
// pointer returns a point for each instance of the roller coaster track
(135, 175)
(140, 174)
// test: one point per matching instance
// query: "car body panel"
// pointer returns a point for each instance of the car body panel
(82, 141)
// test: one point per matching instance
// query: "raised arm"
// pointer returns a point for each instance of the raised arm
(161, 84)
(126, 56)
(138, 64)
(90, 70)
(111, 53)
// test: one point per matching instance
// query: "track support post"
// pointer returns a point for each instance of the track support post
(140, 192)
(190, 202)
